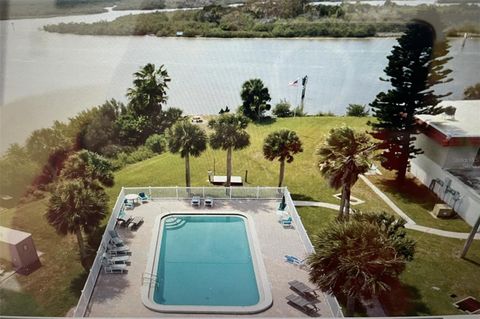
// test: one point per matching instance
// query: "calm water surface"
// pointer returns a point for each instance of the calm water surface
(49, 76)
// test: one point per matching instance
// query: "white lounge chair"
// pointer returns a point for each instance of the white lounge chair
(121, 250)
(135, 222)
(196, 201)
(116, 269)
(111, 260)
(208, 202)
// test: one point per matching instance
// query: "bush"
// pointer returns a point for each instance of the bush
(328, 113)
(156, 143)
(140, 154)
(357, 110)
(283, 109)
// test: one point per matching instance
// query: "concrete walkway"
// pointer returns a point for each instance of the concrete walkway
(410, 222)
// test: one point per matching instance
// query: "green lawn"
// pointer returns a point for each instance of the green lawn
(301, 176)
(416, 200)
(428, 281)
(55, 287)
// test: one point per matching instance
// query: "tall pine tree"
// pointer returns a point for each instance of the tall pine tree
(415, 65)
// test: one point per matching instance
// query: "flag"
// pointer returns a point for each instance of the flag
(294, 83)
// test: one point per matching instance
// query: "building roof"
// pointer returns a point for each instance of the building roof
(12, 236)
(462, 130)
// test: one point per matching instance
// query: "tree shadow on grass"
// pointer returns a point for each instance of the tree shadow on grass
(266, 121)
(470, 260)
(412, 191)
(77, 283)
(13, 303)
(404, 300)
(302, 197)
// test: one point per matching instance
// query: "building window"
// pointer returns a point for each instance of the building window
(476, 161)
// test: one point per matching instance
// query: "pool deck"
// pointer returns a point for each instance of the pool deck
(119, 295)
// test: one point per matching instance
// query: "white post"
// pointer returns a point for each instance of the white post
(258, 191)
(230, 192)
(150, 192)
(176, 190)
(203, 192)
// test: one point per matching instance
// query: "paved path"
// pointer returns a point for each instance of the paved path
(387, 201)
(410, 225)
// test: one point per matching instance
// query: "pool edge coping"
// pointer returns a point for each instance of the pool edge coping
(261, 276)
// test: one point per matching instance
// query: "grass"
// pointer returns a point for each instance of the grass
(416, 200)
(301, 176)
(428, 281)
(54, 288)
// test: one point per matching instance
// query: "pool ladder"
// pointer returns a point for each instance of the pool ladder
(150, 279)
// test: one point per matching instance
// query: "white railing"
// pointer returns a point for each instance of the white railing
(331, 300)
(214, 192)
(87, 290)
(181, 193)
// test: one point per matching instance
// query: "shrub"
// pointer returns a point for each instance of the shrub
(357, 110)
(282, 109)
(328, 113)
(156, 143)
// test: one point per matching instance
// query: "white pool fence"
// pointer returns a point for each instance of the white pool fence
(184, 193)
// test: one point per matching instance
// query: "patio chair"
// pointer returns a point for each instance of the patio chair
(196, 201)
(111, 260)
(208, 202)
(113, 233)
(303, 289)
(294, 260)
(304, 304)
(128, 204)
(115, 251)
(143, 197)
(287, 222)
(124, 220)
(117, 241)
(116, 269)
(135, 222)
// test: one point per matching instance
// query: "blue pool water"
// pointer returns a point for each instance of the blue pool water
(205, 260)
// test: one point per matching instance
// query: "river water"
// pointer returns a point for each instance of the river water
(47, 76)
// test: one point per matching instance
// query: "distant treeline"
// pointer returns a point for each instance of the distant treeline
(269, 18)
(220, 22)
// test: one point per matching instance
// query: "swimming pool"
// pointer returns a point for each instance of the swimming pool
(206, 264)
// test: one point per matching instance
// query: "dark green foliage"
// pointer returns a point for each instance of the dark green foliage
(187, 139)
(222, 111)
(18, 171)
(44, 142)
(283, 109)
(360, 258)
(130, 157)
(357, 110)
(472, 92)
(89, 167)
(415, 66)
(156, 143)
(144, 116)
(101, 132)
(79, 203)
(255, 97)
(282, 144)
(345, 155)
(229, 134)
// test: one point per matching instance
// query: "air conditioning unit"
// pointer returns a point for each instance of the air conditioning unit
(443, 211)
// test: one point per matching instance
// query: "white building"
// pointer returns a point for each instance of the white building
(450, 164)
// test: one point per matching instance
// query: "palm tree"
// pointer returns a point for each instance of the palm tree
(345, 155)
(76, 206)
(90, 167)
(255, 97)
(229, 134)
(188, 140)
(79, 202)
(282, 144)
(358, 258)
(149, 90)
